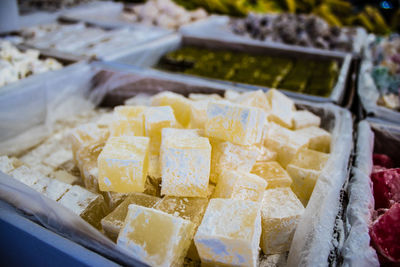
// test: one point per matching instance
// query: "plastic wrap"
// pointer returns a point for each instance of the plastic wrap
(368, 92)
(29, 108)
(218, 27)
(100, 42)
(313, 240)
(374, 136)
(357, 250)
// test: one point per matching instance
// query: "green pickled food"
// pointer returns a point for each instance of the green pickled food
(315, 77)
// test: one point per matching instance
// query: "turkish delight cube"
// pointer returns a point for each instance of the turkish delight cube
(229, 234)
(235, 123)
(286, 143)
(128, 120)
(180, 105)
(155, 237)
(273, 173)
(8, 164)
(185, 166)
(228, 156)
(305, 170)
(198, 114)
(157, 118)
(240, 185)
(319, 139)
(385, 232)
(89, 206)
(84, 135)
(114, 221)
(282, 108)
(55, 189)
(382, 160)
(256, 99)
(304, 118)
(86, 159)
(26, 175)
(265, 154)
(386, 185)
(280, 212)
(189, 208)
(123, 164)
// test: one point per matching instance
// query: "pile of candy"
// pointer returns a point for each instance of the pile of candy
(386, 72)
(385, 229)
(303, 30)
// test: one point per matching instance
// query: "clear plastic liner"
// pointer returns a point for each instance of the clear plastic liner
(85, 41)
(218, 27)
(374, 136)
(61, 220)
(313, 239)
(369, 93)
(357, 250)
(29, 108)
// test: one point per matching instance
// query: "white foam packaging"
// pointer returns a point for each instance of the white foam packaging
(53, 99)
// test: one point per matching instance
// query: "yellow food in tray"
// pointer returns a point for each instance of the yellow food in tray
(205, 178)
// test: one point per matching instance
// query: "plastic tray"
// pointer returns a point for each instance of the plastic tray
(313, 241)
(157, 49)
(156, 33)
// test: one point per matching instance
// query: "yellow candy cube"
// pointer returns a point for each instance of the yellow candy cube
(188, 208)
(265, 154)
(114, 221)
(240, 185)
(178, 103)
(89, 206)
(228, 156)
(319, 139)
(157, 118)
(235, 123)
(229, 234)
(85, 135)
(128, 120)
(123, 164)
(282, 108)
(232, 95)
(305, 170)
(304, 118)
(198, 111)
(286, 143)
(154, 237)
(257, 99)
(273, 173)
(87, 163)
(185, 166)
(280, 213)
